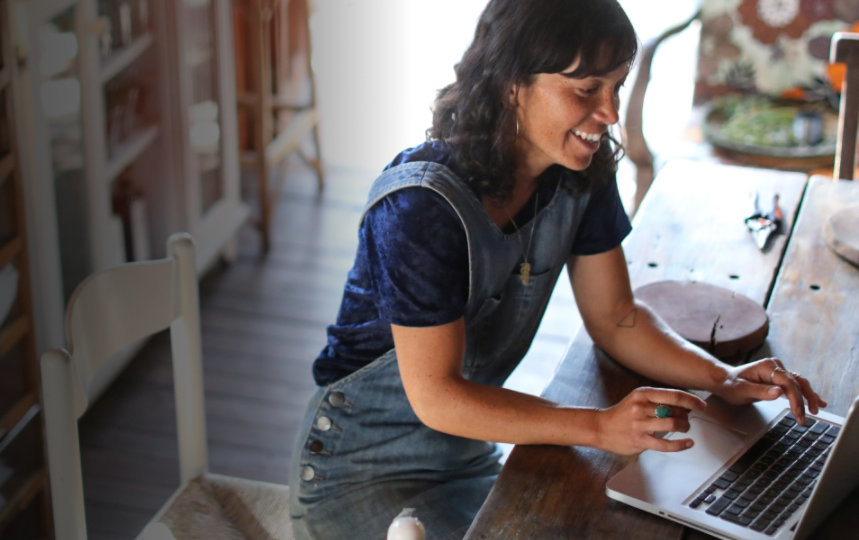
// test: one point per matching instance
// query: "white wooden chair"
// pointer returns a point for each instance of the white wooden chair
(111, 310)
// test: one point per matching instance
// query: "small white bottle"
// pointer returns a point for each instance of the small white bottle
(406, 526)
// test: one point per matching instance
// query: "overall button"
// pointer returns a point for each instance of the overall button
(316, 446)
(324, 423)
(307, 473)
(338, 399)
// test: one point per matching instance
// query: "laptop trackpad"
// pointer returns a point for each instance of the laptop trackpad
(714, 442)
(668, 478)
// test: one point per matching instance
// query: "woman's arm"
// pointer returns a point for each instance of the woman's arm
(430, 362)
(633, 335)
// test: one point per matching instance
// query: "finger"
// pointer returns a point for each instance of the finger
(675, 398)
(772, 363)
(772, 367)
(673, 412)
(753, 391)
(793, 393)
(664, 425)
(813, 400)
(669, 445)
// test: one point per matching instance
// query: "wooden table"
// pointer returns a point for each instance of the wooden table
(690, 226)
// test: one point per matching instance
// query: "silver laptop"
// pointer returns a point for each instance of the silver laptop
(753, 473)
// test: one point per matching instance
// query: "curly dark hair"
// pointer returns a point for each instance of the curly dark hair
(514, 41)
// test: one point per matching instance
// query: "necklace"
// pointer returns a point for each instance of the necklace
(525, 266)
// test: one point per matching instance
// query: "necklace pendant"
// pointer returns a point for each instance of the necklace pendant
(525, 272)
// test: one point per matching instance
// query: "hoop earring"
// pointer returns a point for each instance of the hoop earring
(517, 130)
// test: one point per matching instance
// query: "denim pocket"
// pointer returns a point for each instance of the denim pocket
(501, 332)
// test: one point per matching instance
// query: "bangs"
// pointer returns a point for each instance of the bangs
(600, 56)
(600, 41)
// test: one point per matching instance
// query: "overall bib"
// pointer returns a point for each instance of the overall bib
(362, 454)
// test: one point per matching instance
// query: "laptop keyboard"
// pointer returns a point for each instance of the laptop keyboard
(772, 479)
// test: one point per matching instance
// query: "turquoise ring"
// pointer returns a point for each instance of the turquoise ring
(663, 411)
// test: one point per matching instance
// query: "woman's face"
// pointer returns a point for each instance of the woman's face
(562, 119)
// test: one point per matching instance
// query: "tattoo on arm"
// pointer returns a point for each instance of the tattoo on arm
(629, 320)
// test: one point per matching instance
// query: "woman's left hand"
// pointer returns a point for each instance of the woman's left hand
(766, 380)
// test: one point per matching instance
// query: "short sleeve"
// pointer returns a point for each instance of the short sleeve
(417, 254)
(605, 223)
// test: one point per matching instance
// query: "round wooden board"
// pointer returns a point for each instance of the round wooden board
(716, 319)
(841, 232)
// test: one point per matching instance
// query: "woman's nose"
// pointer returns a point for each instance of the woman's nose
(607, 108)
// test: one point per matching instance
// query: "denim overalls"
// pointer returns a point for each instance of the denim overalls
(361, 453)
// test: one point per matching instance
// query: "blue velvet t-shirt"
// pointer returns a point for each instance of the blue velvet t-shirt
(411, 266)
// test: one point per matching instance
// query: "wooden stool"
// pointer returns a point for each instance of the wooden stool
(273, 67)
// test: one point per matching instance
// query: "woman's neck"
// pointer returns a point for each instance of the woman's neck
(503, 211)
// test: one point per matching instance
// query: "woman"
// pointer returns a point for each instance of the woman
(460, 246)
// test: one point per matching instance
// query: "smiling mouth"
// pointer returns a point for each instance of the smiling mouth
(589, 137)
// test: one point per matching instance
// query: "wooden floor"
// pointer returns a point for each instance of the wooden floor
(263, 323)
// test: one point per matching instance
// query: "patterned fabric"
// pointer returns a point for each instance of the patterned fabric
(767, 46)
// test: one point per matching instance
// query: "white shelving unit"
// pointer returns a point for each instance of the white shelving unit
(129, 135)
(123, 58)
(23, 479)
(205, 116)
(129, 151)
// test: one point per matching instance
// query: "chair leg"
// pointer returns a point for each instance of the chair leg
(308, 55)
(317, 160)
(263, 124)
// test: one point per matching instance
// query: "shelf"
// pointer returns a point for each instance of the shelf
(10, 250)
(208, 162)
(16, 418)
(22, 497)
(217, 226)
(198, 57)
(7, 165)
(124, 57)
(129, 151)
(12, 333)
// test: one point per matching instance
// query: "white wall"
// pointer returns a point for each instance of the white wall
(379, 64)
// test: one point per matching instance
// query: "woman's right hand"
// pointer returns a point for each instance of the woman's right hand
(628, 427)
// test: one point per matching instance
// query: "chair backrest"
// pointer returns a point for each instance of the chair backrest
(845, 49)
(775, 49)
(111, 310)
(763, 47)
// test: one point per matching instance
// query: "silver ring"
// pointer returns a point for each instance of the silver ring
(777, 369)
